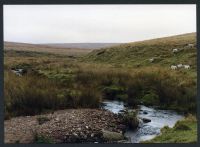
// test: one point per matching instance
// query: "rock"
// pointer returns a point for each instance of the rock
(57, 119)
(92, 135)
(123, 141)
(146, 120)
(75, 134)
(121, 127)
(123, 111)
(112, 136)
(145, 112)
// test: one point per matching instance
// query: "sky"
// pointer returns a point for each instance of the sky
(96, 23)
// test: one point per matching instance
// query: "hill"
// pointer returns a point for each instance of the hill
(44, 48)
(139, 54)
(82, 45)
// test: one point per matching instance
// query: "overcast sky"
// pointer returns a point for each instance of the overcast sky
(95, 23)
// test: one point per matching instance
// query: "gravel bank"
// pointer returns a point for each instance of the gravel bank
(66, 126)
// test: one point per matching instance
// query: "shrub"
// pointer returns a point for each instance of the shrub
(151, 99)
(30, 95)
(112, 92)
(130, 119)
(43, 139)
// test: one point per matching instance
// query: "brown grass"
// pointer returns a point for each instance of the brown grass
(43, 48)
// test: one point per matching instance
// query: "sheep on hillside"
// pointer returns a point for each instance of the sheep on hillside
(187, 66)
(174, 67)
(175, 50)
(190, 45)
(180, 65)
(151, 60)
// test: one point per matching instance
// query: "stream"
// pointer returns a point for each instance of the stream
(145, 131)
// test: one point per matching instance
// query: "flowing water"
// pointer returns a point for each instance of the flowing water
(146, 131)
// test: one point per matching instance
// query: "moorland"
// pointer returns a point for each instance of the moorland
(52, 80)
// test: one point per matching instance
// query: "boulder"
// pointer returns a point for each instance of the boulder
(145, 112)
(112, 136)
(146, 120)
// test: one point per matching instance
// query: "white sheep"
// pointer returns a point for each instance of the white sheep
(16, 72)
(175, 50)
(190, 45)
(180, 65)
(187, 66)
(174, 67)
(151, 60)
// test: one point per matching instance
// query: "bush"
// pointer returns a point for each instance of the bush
(43, 139)
(30, 95)
(130, 119)
(151, 99)
(113, 92)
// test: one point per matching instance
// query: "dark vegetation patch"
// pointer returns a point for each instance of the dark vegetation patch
(43, 139)
(42, 119)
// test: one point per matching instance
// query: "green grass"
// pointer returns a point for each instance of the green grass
(32, 94)
(41, 139)
(138, 54)
(184, 131)
(123, 72)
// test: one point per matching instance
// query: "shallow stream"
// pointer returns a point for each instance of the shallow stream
(146, 131)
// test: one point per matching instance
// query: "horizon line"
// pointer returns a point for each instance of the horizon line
(98, 42)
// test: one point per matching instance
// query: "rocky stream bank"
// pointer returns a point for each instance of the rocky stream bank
(66, 126)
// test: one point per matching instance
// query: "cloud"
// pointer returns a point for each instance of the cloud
(95, 23)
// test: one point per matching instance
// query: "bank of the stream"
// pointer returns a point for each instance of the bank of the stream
(66, 126)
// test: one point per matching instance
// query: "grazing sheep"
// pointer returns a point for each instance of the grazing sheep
(180, 65)
(16, 72)
(187, 66)
(175, 50)
(151, 60)
(174, 67)
(190, 45)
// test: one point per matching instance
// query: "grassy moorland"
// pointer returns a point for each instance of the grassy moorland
(64, 82)
(137, 54)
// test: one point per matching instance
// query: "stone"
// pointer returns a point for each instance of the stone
(57, 119)
(146, 120)
(145, 112)
(75, 134)
(112, 136)
(92, 135)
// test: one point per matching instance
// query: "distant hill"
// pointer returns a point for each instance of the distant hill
(138, 54)
(82, 45)
(44, 48)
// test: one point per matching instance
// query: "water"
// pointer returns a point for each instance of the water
(146, 131)
(113, 106)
